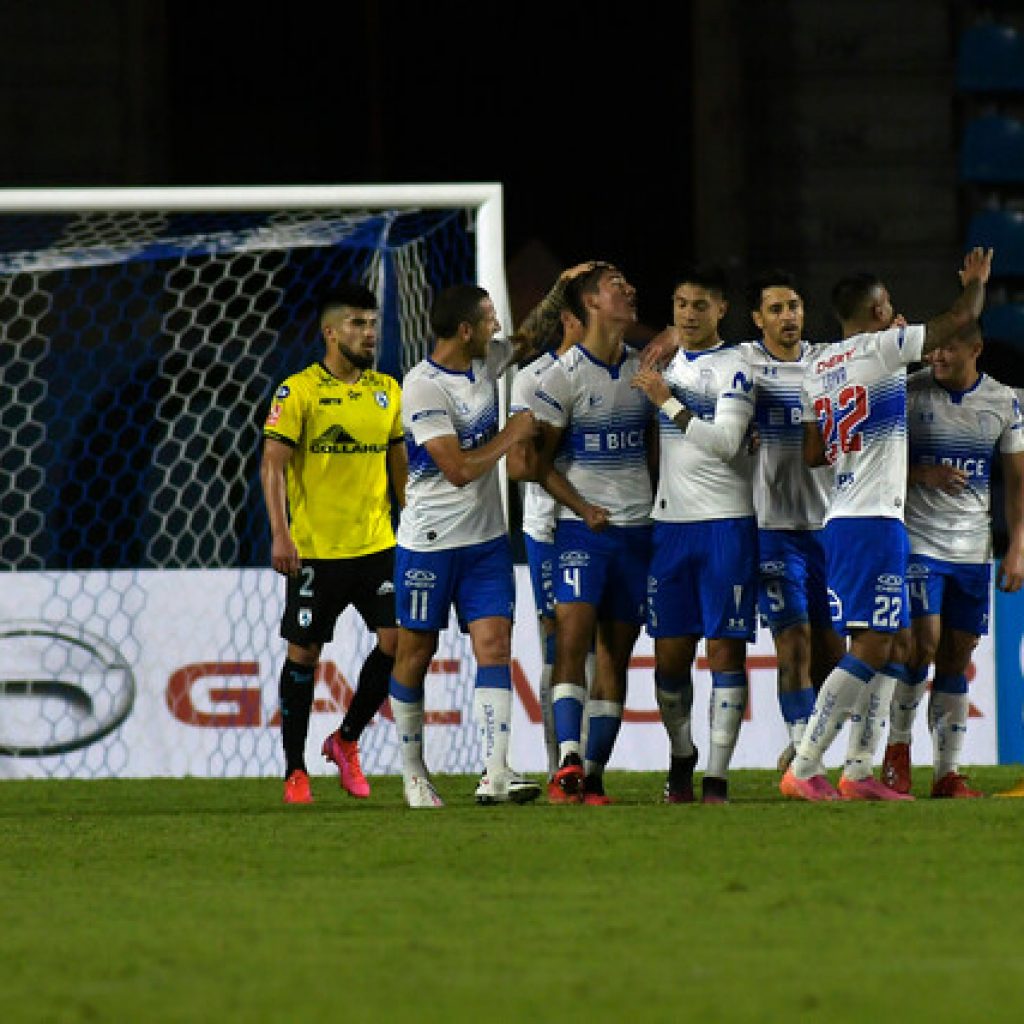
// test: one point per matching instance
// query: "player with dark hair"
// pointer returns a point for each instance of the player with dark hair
(453, 548)
(593, 462)
(702, 580)
(855, 418)
(790, 500)
(540, 517)
(332, 441)
(959, 419)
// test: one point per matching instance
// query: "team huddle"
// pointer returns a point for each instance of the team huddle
(685, 488)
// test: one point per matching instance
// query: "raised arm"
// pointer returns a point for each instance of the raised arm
(540, 327)
(968, 305)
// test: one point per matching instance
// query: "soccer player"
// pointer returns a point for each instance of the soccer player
(332, 440)
(855, 418)
(452, 543)
(594, 463)
(789, 500)
(540, 514)
(959, 419)
(701, 581)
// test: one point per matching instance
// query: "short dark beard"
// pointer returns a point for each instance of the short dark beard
(358, 361)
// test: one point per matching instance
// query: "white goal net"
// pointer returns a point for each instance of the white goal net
(143, 334)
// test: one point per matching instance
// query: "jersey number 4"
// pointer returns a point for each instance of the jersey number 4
(840, 422)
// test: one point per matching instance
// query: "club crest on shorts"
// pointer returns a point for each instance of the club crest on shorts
(305, 617)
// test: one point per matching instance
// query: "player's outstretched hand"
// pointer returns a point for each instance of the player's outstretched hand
(653, 385)
(977, 266)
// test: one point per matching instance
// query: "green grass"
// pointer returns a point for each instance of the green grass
(169, 900)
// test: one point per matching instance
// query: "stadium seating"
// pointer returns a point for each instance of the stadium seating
(990, 59)
(1002, 230)
(1004, 323)
(993, 150)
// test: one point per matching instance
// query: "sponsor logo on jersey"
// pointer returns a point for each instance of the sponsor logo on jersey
(338, 441)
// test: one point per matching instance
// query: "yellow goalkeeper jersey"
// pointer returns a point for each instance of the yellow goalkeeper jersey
(338, 504)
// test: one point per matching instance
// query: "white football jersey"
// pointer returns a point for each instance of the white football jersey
(697, 479)
(603, 453)
(435, 402)
(857, 391)
(788, 494)
(964, 429)
(539, 509)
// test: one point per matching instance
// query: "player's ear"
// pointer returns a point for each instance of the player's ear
(755, 315)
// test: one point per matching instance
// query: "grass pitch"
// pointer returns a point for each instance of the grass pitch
(170, 900)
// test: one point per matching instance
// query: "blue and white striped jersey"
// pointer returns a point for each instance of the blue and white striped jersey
(436, 402)
(788, 495)
(698, 479)
(857, 391)
(965, 429)
(604, 446)
(539, 509)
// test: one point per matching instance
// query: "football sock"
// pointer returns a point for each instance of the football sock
(296, 695)
(492, 712)
(728, 702)
(407, 709)
(947, 720)
(905, 700)
(567, 701)
(547, 711)
(838, 694)
(675, 702)
(796, 707)
(604, 718)
(867, 721)
(371, 692)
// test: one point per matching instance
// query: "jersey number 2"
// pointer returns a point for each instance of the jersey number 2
(839, 423)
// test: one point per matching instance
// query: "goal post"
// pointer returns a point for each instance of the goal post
(144, 332)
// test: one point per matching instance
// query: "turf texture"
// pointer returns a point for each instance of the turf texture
(208, 900)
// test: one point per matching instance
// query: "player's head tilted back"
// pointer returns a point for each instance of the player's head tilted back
(777, 308)
(583, 289)
(348, 323)
(861, 303)
(699, 304)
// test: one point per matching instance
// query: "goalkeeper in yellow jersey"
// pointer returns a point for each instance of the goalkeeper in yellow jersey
(332, 441)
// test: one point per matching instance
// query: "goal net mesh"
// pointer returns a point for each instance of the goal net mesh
(139, 623)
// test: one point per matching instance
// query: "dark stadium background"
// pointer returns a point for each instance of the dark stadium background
(819, 137)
